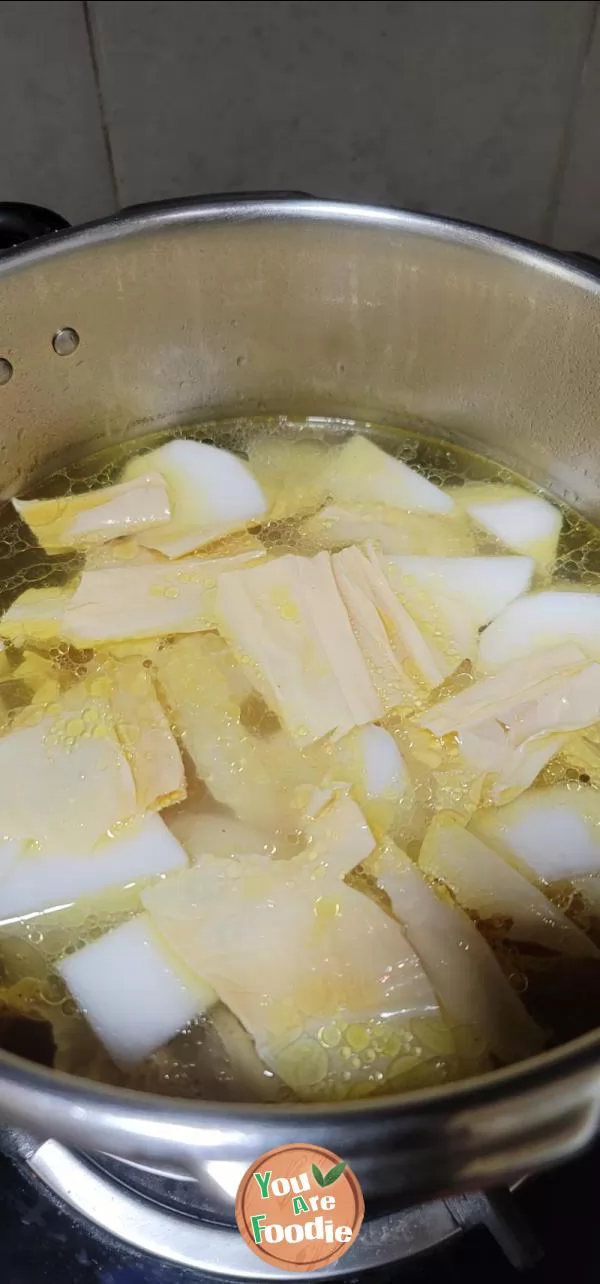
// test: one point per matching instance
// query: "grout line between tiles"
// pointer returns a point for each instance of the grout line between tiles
(566, 141)
(101, 106)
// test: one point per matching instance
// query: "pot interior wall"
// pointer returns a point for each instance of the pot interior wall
(303, 310)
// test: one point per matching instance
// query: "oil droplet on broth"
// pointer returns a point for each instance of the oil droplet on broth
(27, 950)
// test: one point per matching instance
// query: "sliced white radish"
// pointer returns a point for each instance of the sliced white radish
(540, 621)
(133, 993)
(361, 473)
(458, 962)
(211, 492)
(32, 881)
(370, 762)
(554, 832)
(71, 521)
(526, 523)
(489, 886)
(483, 586)
(382, 768)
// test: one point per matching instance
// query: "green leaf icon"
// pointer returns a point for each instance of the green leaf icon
(318, 1176)
(334, 1173)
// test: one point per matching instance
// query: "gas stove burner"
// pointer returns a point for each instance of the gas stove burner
(162, 1216)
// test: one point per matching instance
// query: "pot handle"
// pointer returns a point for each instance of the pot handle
(552, 1141)
(20, 223)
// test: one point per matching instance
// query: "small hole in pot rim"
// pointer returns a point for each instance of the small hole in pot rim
(65, 341)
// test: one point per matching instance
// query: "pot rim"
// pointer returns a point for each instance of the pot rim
(56, 1089)
(65, 1096)
(281, 208)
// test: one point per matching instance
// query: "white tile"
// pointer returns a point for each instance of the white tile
(457, 108)
(577, 225)
(53, 151)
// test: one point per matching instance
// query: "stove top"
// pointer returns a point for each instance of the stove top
(538, 1228)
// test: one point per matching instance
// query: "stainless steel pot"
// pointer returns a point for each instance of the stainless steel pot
(183, 311)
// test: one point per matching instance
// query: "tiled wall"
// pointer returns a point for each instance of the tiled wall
(485, 109)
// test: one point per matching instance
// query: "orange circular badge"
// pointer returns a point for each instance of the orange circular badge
(299, 1207)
